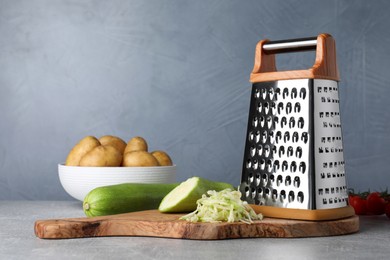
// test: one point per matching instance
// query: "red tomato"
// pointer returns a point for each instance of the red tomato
(375, 203)
(358, 204)
(387, 210)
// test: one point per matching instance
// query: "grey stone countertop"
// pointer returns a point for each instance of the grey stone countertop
(18, 241)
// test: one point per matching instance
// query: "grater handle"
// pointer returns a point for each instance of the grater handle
(325, 66)
(292, 45)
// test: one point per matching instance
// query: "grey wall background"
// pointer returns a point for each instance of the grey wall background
(175, 72)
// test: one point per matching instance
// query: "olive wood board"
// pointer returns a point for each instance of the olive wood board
(152, 223)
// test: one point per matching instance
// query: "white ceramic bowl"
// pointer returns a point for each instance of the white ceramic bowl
(78, 181)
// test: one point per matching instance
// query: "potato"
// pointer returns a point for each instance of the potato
(80, 149)
(114, 141)
(162, 158)
(102, 156)
(136, 144)
(139, 159)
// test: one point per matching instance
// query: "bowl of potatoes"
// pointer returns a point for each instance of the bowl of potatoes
(109, 160)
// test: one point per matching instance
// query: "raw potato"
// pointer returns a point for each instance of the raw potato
(136, 144)
(139, 159)
(162, 158)
(112, 151)
(102, 156)
(80, 149)
(114, 141)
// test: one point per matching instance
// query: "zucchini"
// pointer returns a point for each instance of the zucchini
(184, 197)
(126, 197)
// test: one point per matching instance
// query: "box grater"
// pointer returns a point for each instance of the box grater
(293, 164)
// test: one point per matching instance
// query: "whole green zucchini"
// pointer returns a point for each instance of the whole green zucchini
(126, 197)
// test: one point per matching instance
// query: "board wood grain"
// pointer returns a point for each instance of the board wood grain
(152, 223)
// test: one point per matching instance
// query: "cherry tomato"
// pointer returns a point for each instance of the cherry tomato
(375, 203)
(387, 210)
(358, 204)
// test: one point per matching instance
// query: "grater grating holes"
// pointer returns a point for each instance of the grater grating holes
(259, 150)
(287, 180)
(283, 122)
(246, 190)
(273, 108)
(298, 152)
(266, 108)
(251, 136)
(257, 93)
(302, 167)
(263, 92)
(295, 137)
(264, 137)
(277, 92)
(290, 151)
(301, 122)
(279, 180)
(259, 107)
(283, 195)
(276, 165)
(269, 166)
(250, 178)
(267, 151)
(286, 137)
(269, 122)
(294, 93)
(302, 93)
(288, 108)
(252, 151)
(277, 142)
(255, 164)
(271, 93)
(304, 137)
(280, 108)
(291, 196)
(278, 136)
(271, 136)
(281, 151)
(257, 179)
(293, 167)
(264, 179)
(262, 121)
(285, 93)
(274, 195)
(276, 120)
(253, 193)
(272, 178)
(284, 166)
(297, 107)
(248, 164)
(291, 123)
(262, 164)
(255, 122)
(257, 136)
(297, 182)
(300, 197)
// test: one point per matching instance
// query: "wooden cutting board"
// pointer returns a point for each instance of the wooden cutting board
(152, 223)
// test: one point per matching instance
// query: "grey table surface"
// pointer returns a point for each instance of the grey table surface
(18, 241)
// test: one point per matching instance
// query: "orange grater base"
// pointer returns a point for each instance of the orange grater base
(304, 214)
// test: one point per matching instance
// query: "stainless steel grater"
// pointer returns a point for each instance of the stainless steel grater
(293, 163)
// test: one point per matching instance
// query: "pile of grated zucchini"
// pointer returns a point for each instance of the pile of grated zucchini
(222, 206)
